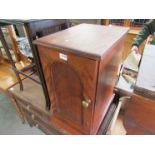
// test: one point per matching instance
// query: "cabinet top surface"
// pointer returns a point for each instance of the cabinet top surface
(87, 39)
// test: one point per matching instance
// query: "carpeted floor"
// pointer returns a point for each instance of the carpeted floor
(10, 123)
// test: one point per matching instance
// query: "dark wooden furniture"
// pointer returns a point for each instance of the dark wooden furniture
(80, 68)
(30, 105)
(34, 28)
(140, 113)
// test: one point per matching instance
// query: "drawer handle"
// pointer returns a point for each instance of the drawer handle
(36, 125)
(33, 116)
(28, 107)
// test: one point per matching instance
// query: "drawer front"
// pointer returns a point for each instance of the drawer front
(30, 108)
(34, 120)
(71, 82)
(37, 125)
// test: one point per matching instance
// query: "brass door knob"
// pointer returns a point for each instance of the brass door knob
(28, 107)
(86, 103)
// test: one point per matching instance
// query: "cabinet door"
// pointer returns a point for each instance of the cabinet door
(71, 83)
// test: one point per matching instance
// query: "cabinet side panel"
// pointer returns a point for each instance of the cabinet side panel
(106, 81)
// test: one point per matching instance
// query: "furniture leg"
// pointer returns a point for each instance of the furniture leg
(10, 58)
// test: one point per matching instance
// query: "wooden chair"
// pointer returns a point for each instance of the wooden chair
(18, 72)
(34, 28)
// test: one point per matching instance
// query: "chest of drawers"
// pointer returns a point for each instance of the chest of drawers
(31, 106)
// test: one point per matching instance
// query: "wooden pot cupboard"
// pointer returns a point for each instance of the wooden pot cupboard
(80, 67)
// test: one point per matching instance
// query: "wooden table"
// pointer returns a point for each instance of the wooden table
(140, 114)
(34, 28)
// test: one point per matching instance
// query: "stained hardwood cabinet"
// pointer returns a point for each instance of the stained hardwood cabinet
(80, 69)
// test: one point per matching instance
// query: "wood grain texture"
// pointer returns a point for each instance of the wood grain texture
(7, 76)
(31, 106)
(89, 40)
(88, 72)
(68, 90)
(107, 77)
(30, 86)
(140, 115)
